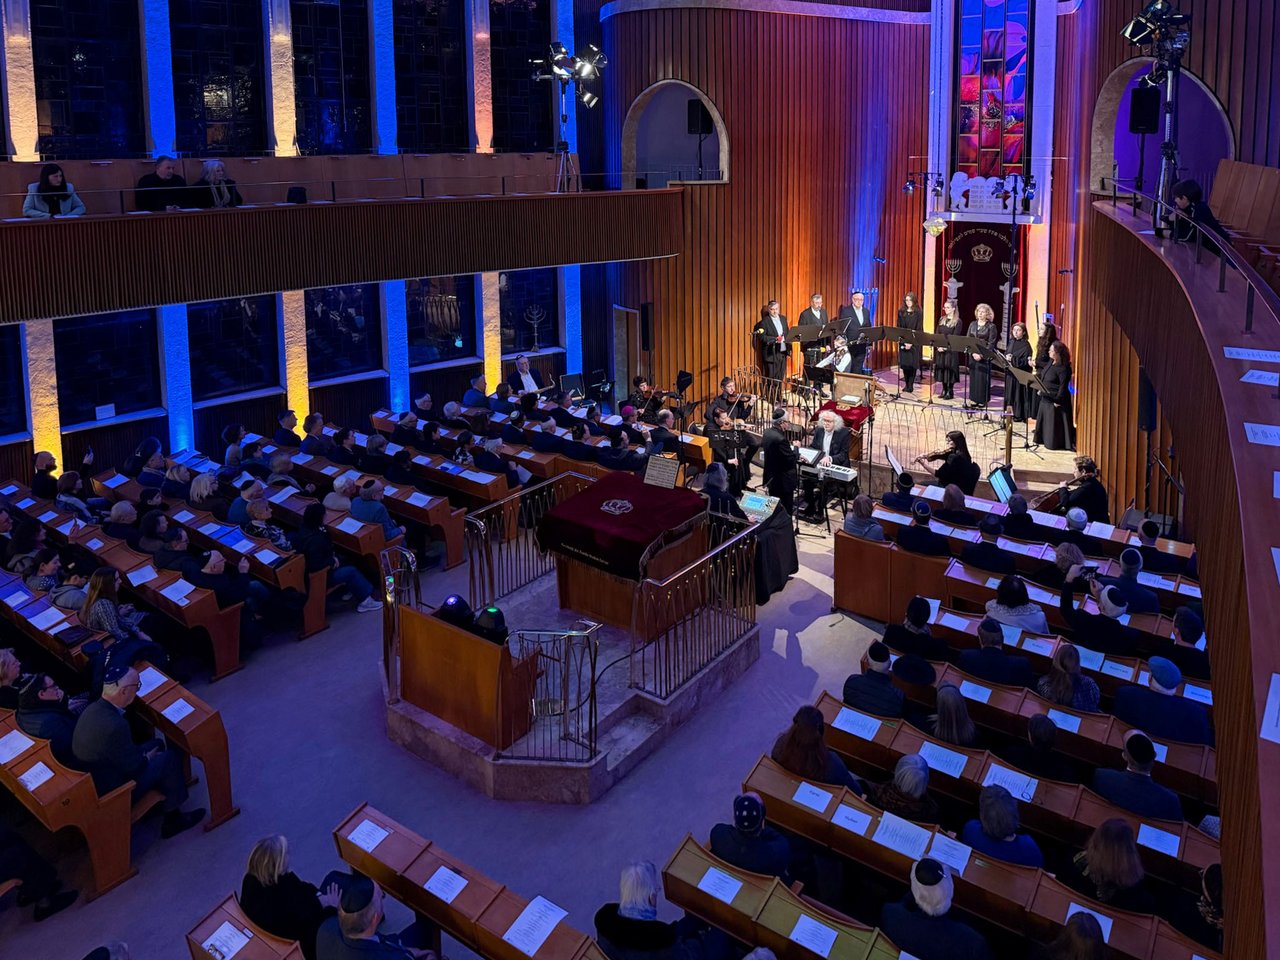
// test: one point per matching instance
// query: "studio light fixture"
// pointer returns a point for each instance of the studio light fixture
(562, 67)
(910, 186)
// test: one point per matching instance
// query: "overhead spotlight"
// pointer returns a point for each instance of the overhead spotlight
(909, 187)
(937, 187)
(589, 67)
(587, 98)
(1029, 193)
(1156, 22)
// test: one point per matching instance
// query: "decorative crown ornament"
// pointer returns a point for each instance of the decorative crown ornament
(982, 253)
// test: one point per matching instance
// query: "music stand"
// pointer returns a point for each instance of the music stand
(1029, 381)
(933, 341)
(998, 362)
(968, 346)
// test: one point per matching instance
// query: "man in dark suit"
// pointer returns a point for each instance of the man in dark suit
(315, 441)
(989, 662)
(103, 743)
(595, 422)
(501, 401)
(986, 554)
(284, 435)
(831, 440)
(562, 415)
(546, 440)
(617, 456)
(918, 538)
(1088, 493)
(489, 457)
(1136, 597)
(1100, 631)
(662, 438)
(901, 498)
(769, 333)
(477, 395)
(1017, 522)
(524, 379)
(814, 314)
(780, 456)
(1153, 558)
(749, 843)
(575, 448)
(912, 636)
(856, 320)
(872, 691)
(922, 922)
(406, 432)
(1188, 647)
(1077, 520)
(1160, 710)
(1132, 787)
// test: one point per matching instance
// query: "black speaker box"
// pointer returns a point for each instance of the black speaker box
(1144, 110)
(699, 118)
(1146, 403)
(646, 326)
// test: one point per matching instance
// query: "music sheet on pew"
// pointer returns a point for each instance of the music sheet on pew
(367, 835)
(720, 885)
(149, 678)
(1018, 784)
(536, 921)
(858, 724)
(1066, 721)
(444, 884)
(902, 835)
(226, 941)
(35, 775)
(1157, 839)
(13, 744)
(812, 935)
(943, 760)
(951, 852)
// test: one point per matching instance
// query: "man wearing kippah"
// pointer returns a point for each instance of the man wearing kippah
(353, 933)
(918, 538)
(921, 924)
(1132, 787)
(872, 690)
(1160, 709)
(1136, 597)
(989, 662)
(1107, 630)
(749, 843)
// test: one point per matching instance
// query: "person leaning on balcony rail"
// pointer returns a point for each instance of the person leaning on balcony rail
(52, 196)
(162, 189)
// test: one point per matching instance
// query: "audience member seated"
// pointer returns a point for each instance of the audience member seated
(1100, 631)
(912, 635)
(872, 690)
(630, 929)
(11, 680)
(43, 712)
(1012, 605)
(368, 508)
(70, 593)
(103, 742)
(1054, 575)
(1132, 787)
(989, 662)
(576, 447)
(920, 923)
(1066, 686)
(1038, 754)
(353, 933)
(901, 498)
(71, 497)
(125, 642)
(151, 530)
(253, 460)
(40, 884)
(995, 832)
(749, 843)
(285, 435)
(406, 432)
(454, 420)
(1136, 597)
(52, 196)
(1201, 918)
(146, 464)
(279, 901)
(617, 456)
(662, 437)
(987, 555)
(801, 750)
(595, 422)
(1077, 521)
(122, 523)
(344, 451)
(562, 415)
(501, 402)
(233, 435)
(715, 488)
(339, 498)
(238, 512)
(524, 379)
(1018, 522)
(951, 723)
(545, 439)
(162, 189)
(281, 468)
(259, 525)
(632, 428)
(529, 409)
(312, 540)
(400, 470)
(1188, 647)
(177, 482)
(463, 444)
(513, 429)
(429, 442)
(488, 456)
(45, 577)
(918, 538)
(424, 407)
(860, 523)
(952, 508)
(314, 441)
(230, 585)
(205, 495)
(176, 550)
(1154, 559)
(214, 190)
(375, 459)
(1080, 939)
(1159, 709)
(1109, 869)
(907, 794)
(24, 546)
(477, 395)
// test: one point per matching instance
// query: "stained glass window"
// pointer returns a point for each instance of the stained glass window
(331, 71)
(991, 83)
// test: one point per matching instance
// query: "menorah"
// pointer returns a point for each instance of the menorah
(535, 316)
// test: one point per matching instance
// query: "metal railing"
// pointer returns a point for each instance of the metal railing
(503, 556)
(561, 666)
(681, 624)
(400, 586)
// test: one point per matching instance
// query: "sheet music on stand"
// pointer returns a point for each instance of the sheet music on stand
(893, 461)
(661, 471)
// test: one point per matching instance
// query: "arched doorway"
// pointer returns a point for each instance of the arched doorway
(1204, 133)
(657, 146)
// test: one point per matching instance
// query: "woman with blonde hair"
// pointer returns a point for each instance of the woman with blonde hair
(983, 328)
(1109, 869)
(1064, 684)
(277, 900)
(952, 723)
(630, 929)
(205, 495)
(214, 189)
(10, 679)
(1054, 575)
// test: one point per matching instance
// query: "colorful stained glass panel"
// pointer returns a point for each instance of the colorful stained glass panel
(992, 43)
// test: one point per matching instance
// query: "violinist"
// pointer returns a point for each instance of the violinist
(729, 446)
(737, 405)
(646, 400)
(957, 465)
(840, 358)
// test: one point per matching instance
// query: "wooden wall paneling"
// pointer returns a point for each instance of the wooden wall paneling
(349, 404)
(112, 443)
(258, 414)
(16, 460)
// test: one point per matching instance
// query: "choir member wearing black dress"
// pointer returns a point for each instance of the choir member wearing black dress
(983, 328)
(909, 318)
(1055, 422)
(1019, 399)
(946, 362)
(1048, 337)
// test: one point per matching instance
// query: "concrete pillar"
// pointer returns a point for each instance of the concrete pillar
(382, 79)
(175, 359)
(21, 129)
(395, 342)
(571, 305)
(489, 322)
(1040, 147)
(281, 104)
(159, 121)
(42, 382)
(293, 353)
(479, 75)
(941, 46)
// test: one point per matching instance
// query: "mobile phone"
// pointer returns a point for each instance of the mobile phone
(1089, 571)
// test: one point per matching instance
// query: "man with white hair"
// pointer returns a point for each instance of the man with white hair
(631, 929)
(339, 498)
(104, 744)
(1104, 631)
(919, 924)
(369, 508)
(1077, 521)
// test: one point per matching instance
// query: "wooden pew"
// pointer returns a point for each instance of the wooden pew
(227, 927)
(863, 578)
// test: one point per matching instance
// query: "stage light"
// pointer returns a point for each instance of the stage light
(1155, 23)
(589, 67)
(491, 624)
(909, 187)
(937, 188)
(457, 611)
(587, 98)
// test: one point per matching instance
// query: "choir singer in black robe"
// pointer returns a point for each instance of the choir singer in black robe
(983, 328)
(909, 318)
(1019, 399)
(1055, 422)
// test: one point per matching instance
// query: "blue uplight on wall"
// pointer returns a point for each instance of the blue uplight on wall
(865, 204)
(571, 288)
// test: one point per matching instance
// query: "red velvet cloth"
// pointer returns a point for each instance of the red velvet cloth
(615, 520)
(854, 417)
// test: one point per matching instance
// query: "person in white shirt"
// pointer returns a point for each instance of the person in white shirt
(769, 333)
(523, 379)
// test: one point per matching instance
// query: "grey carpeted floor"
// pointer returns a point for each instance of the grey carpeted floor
(305, 723)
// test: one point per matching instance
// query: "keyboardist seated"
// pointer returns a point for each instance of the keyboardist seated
(830, 440)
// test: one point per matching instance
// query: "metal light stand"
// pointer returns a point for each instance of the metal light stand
(1169, 148)
(566, 165)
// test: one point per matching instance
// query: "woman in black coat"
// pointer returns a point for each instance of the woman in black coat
(1055, 422)
(1018, 398)
(909, 318)
(277, 900)
(983, 328)
(1048, 337)
(946, 362)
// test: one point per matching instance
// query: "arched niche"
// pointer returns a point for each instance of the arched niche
(1204, 132)
(656, 139)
